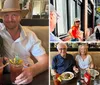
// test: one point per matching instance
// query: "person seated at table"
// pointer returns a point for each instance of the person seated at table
(53, 21)
(74, 34)
(83, 59)
(96, 35)
(2, 50)
(62, 62)
(21, 41)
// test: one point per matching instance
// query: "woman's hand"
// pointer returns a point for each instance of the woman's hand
(67, 38)
(76, 70)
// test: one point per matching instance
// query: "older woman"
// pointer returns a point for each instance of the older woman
(75, 34)
(83, 59)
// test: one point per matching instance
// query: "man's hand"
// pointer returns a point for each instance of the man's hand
(76, 70)
(28, 73)
(25, 77)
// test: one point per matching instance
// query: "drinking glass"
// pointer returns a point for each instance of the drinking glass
(97, 82)
(15, 70)
(1, 69)
(82, 72)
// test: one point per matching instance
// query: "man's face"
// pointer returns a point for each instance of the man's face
(11, 19)
(53, 19)
(62, 50)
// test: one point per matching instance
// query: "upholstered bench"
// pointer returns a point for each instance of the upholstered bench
(42, 33)
(94, 54)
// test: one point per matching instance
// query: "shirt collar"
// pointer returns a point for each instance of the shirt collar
(61, 57)
(2, 26)
(23, 33)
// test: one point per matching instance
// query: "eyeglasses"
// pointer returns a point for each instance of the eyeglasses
(62, 48)
(57, 16)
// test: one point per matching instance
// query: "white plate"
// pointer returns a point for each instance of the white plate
(93, 72)
(72, 75)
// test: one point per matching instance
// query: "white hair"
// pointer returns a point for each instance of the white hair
(60, 44)
(52, 8)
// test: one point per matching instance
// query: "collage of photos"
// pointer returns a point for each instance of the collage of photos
(73, 20)
(74, 42)
(24, 42)
(49, 42)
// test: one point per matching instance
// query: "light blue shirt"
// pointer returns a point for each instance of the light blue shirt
(83, 64)
(53, 38)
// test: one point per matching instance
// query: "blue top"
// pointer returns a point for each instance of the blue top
(53, 38)
(61, 64)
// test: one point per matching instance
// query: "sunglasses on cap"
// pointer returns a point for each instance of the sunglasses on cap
(77, 21)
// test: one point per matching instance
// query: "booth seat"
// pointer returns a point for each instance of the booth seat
(94, 54)
(42, 33)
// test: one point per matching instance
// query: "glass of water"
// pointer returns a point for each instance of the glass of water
(96, 82)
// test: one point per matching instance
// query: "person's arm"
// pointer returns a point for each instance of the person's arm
(41, 65)
(69, 36)
(28, 73)
(91, 62)
(79, 35)
(91, 65)
(75, 67)
(53, 72)
(70, 33)
(54, 66)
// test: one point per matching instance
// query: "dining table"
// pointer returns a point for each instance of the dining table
(41, 79)
(77, 78)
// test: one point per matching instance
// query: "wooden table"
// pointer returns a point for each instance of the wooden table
(74, 81)
(41, 79)
(71, 82)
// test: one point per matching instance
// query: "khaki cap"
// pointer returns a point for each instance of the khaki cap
(12, 6)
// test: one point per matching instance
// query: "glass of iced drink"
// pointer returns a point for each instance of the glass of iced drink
(16, 66)
(1, 69)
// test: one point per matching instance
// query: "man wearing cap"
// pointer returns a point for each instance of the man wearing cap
(53, 21)
(21, 41)
(75, 34)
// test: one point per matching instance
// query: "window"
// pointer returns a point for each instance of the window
(73, 12)
(62, 21)
(68, 10)
(61, 8)
(79, 11)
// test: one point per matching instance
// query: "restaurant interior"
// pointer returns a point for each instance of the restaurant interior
(93, 50)
(36, 20)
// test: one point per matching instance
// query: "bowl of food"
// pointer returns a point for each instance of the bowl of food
(67, 76)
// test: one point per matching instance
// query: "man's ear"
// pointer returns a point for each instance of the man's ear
(20, 17)
(1, 15)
